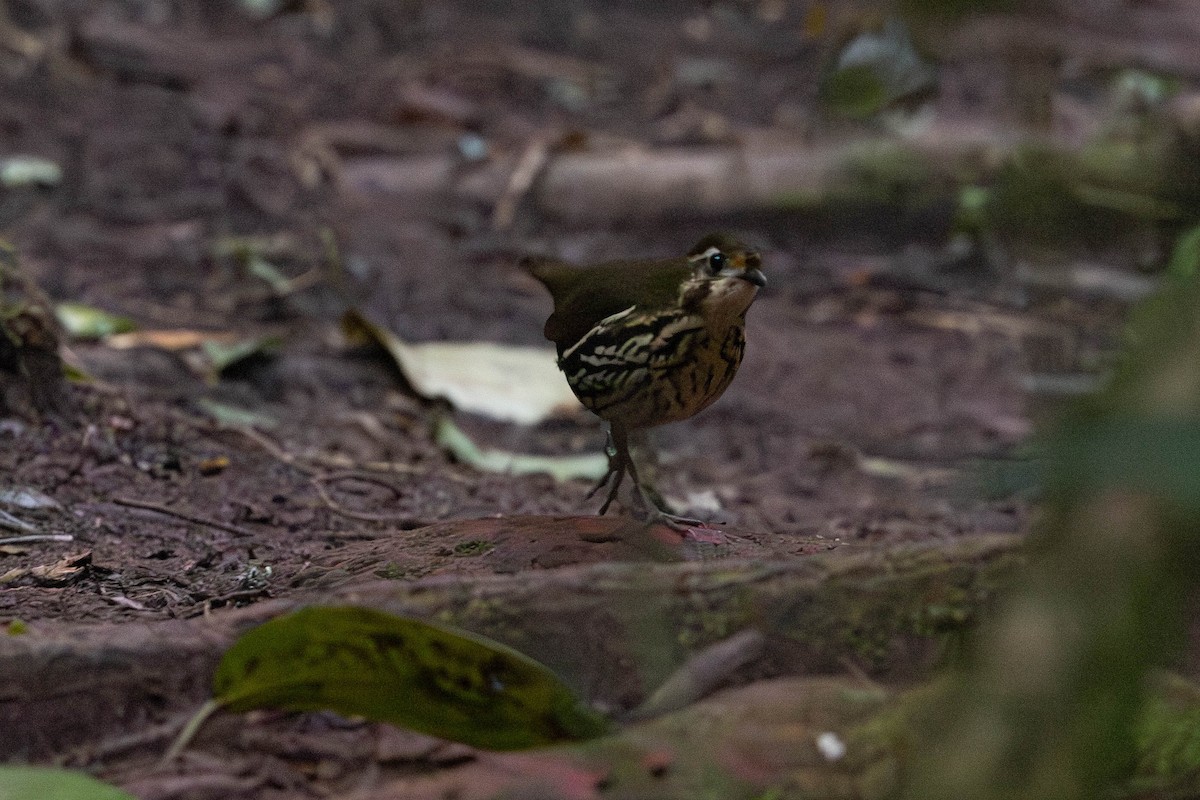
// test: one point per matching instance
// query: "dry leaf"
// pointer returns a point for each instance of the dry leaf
(62, 572)
(589, 466)
(504, 382)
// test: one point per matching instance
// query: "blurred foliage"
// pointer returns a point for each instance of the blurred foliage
(1168, 740)
(1050, 198)
(1048, 704)
(1139, 175)
(948, 10)
(878, 68)
(1185, 258)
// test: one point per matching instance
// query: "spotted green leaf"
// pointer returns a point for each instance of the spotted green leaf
(444, 682)
(41, 783)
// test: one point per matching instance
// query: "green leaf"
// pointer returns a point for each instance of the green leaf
(222, 356)
(855, 91)
(1139, 89)
(265, 271)
(234, 416)
(875, 69)
(85, 322)
(971, 214)
(1185, 258)
(44, 783)
(590, 466)
(447, 683)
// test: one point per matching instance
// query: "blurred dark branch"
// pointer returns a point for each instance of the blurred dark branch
(1143, 35)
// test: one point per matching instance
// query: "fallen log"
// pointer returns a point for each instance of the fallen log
(765, 171)
(614, 632)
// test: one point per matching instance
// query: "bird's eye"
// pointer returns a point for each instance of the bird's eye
(716, 262)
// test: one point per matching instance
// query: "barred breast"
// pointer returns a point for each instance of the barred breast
(647, 369)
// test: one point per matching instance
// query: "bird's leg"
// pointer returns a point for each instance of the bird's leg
(651, 499)
(617, 449)
(611, 451)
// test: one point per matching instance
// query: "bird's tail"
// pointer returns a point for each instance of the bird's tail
(550, 272)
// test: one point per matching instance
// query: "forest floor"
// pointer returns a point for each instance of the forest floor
(198, 143)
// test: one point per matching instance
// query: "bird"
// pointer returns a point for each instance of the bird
(645, 343)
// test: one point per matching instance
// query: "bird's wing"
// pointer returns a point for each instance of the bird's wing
(585, 296)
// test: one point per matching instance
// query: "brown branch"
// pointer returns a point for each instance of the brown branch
(183, 515)
(529, 167)
(402, 520)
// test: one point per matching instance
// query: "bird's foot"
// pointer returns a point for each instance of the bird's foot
(616, 466)
(657, 516)
(602, 482)
(655, 506)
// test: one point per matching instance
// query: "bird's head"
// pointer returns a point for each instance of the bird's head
(726, 275)
(718, 278)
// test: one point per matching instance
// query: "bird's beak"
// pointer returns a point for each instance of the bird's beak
(755, 276)
(750, 275)
(745, 266)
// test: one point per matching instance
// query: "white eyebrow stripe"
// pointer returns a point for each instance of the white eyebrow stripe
(706, 254)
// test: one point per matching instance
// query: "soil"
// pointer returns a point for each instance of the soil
(857, 418)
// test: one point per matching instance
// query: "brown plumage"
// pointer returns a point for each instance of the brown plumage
(644, 343)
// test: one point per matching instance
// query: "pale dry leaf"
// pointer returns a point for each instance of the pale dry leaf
(63, 571)
(589, 466)
(504, 382)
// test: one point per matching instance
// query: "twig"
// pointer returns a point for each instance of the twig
(170, 512)
(7, 520)
(976, 323)
(189, 731)
(124, 602)
(394, 467)
(273, 450)
(38, 537)
(310, 464)
(528, 62)
(533, 161)
(858, 673)
(120, 745)
(403, 521)
(702, 673)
